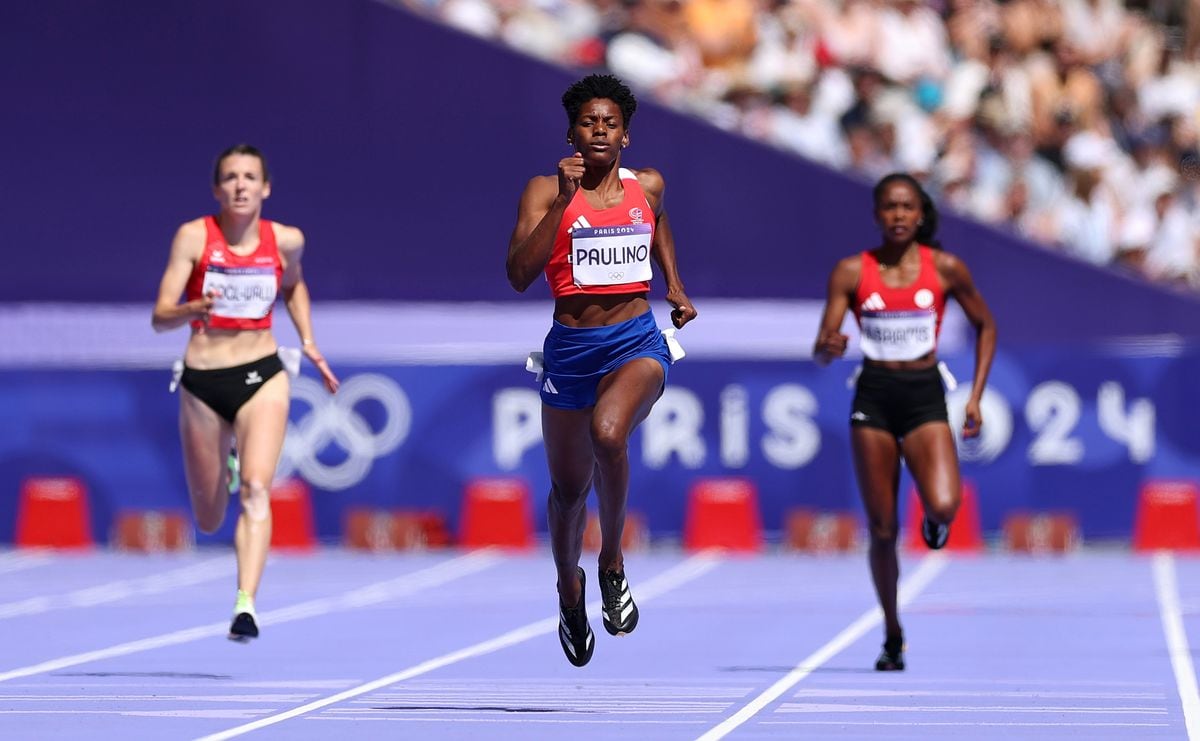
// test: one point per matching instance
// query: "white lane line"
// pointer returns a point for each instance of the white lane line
(1167, 588)
(17, 561)
(930, 567)
(433, 576)
(672, 578)
(114, 591)
(965, 723)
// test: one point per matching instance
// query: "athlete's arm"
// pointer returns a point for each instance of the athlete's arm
(663, 249)
(831, 343)
(960, 284)
(296, 298)
(539, 213)
(186, 249)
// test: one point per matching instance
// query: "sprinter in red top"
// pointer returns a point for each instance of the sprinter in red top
(594, 228)
(231, 267)
(898, 293)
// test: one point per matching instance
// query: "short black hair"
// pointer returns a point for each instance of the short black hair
(599, 86)
(927, 231)
(240, 149)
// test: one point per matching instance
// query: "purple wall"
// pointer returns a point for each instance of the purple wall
(399, 147)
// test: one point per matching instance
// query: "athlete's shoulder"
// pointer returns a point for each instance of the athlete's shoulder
(288, 238)
(651, 180)
(947, 262)
(190, 237)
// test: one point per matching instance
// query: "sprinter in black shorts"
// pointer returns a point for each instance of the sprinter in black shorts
(897, 292)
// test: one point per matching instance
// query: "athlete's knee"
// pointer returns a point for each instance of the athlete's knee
(256, 500)
(210, 521)
(610, 439)
(942, 505)
(882, 532)
(568, 496)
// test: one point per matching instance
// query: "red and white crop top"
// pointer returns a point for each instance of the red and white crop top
(245, 286)
(899, 323)
(603, 251)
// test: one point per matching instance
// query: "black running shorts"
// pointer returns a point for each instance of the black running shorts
(225, 390)
(898, 401)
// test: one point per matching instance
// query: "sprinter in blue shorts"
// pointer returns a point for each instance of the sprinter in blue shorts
(594, 228)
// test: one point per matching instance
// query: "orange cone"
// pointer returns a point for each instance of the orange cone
(1167, 517)
(497, 512)
(723, 513)
(820, 532)
(1041, 532)
(393, 530)
(52, 512)
(292, 516)
(152, 531)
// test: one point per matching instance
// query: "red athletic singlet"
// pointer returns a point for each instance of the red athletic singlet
(605, 251)
(899, 323)
(245, 285)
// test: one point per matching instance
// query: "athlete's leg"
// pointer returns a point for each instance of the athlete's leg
(877, 467)
(623, 400)
(260, 424)
(206, 439)
(570, 459)
(931, 457)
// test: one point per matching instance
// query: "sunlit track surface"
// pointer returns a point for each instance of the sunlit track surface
(448, 645)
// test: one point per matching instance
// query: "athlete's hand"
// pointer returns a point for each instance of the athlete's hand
(318, 360)
(830, 345)
(201, 308)
(683, 311)
(972, 420)
(570, 172)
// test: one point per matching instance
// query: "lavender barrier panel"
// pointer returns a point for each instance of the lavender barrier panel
(400, 147)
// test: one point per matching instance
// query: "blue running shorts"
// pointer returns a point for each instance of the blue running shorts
(576, 358)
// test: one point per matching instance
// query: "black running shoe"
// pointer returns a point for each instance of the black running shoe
(620, 614)
(574, 633)
(244, 628)
(935, 535)
(891, 659)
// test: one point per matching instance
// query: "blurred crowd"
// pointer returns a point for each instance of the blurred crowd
(1074, 123)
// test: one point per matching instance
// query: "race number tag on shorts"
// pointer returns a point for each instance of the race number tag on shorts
(240, 293)
(610, 255)
(897, 335)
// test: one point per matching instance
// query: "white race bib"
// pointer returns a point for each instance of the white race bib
(610, 255)
(240, 293)
(898, 335)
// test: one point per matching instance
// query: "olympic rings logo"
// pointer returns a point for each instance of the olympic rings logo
(332, 419)
(616, 275)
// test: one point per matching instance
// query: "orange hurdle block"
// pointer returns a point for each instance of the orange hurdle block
(152, 531)
(820, 532)
(965, 532)
(394, 530)
(292, 516)
(1167, 517)
(52, 512)
(635, 537)
(497, 512)
(1041, 532)
(723, 513)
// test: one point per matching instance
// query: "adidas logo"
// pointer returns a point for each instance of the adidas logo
(252, 378)
(580, 223)
(874, 302)
(860, 417)
(548, 387)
